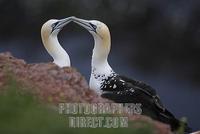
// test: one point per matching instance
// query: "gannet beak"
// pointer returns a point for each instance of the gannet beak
(85, 23)
(61, 23)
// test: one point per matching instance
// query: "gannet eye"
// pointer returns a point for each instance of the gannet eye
(54, 24)
(93, 26)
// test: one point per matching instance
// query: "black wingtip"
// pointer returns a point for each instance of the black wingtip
(179, 126)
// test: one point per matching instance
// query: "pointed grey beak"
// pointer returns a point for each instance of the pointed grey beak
(61, 23)
(85, 23)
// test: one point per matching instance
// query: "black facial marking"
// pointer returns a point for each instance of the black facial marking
(54, 24)
(94, 27)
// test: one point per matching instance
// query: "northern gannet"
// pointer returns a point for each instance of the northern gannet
(49, 32)
(120, 88)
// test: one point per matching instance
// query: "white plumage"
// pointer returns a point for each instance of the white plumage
(49, 32)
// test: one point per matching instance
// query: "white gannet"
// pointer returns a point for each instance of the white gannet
(120, 88)
(49, 32)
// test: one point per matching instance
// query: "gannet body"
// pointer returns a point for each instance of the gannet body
(119, 88)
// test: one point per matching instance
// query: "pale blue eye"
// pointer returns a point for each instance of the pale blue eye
(94, 26)
(54, 24)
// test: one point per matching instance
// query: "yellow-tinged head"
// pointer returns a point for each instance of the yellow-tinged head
(98, 29)
(52, 27)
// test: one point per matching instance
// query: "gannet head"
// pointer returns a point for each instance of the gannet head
(49, 32)
(95, 27)
(53, 27)
(98, 29)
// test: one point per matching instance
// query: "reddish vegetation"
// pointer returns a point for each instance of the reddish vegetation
(53, 84)
(49, 82)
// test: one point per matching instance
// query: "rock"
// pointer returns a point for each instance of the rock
(53, 85)
(47, 80)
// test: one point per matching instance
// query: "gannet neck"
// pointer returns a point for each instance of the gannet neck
(100, 53)
(100, 66)
(59, 55)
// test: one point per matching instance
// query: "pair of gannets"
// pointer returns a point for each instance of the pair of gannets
(103, 79)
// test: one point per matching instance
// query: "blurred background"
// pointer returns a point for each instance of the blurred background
(153, 41)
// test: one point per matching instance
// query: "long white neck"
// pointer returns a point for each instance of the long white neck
(60, 56)
(100, 55)
(100, 66)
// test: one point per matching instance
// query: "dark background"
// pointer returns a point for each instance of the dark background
(154, 41)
